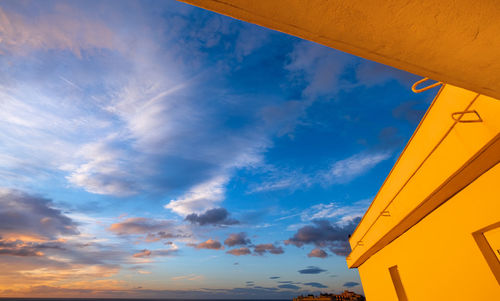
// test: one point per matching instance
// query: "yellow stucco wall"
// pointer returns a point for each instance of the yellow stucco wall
(438, 258)
(441, 158)
(444, 188)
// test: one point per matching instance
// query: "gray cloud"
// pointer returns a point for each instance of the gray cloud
(22, 248)
(311, 270)
(30, 215)
(317, 253)
(350, 284)
(216, 216)
(289, 286)
(236, 239)
(324, 234)
(261, 249)
(274, 277)
(315, 284)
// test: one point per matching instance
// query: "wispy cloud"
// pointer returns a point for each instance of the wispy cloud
(345, 170)
(339, 172)
(54, 29)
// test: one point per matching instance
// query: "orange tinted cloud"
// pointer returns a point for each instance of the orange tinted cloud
(140, 225)
(143, 253)
(239, 251)
(209, 244)
(61, 29)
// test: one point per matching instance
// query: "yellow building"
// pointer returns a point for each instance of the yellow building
(433, 230)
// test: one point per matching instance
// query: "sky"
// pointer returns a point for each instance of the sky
(157, 150)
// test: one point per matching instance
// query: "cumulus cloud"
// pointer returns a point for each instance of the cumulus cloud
(209, 244)
(236, 239)
(323, 234)
(200, 198)
(317, 253)
(141, 225)
(215, 217)
(311, 270)
(261, 249)
(350, 284)
(22, 214)
(239, 251)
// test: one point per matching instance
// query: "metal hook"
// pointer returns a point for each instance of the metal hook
(461, 114)
(414, 87)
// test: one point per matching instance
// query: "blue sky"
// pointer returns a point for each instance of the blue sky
(154, 149)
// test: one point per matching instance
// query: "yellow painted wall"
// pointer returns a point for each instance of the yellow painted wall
(439, 148)
(438, 258)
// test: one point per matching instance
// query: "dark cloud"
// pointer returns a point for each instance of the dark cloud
(239, 251)
(317, 253)
(140, 225)
(235, 239)
(315, 284)
(209, 244)
(274, 277)
(271, 248)
(216, 216)
(22, 248)
(311, 270)
(350, 284)
(30, 215)
(289, 286)
(324, 234)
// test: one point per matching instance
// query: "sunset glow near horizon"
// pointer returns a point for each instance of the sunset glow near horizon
(153, 149)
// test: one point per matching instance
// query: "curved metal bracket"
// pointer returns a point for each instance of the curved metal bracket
(457, 116)
(416, 90)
